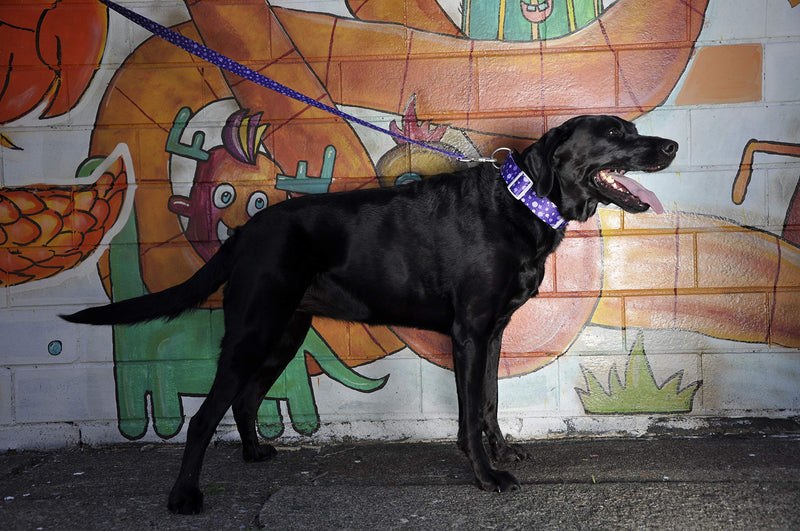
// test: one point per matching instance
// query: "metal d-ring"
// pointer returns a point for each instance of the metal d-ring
(494, 158)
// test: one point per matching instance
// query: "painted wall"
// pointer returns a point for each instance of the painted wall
(125, 160)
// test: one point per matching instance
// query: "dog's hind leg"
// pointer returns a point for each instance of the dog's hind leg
(257, 309)
(245, 407)
(185, 496)
(501, 450)
(241, 358)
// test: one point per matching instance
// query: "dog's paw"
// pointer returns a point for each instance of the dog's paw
(185, 500)
(509, 453)
(499, 481)
(259, 452)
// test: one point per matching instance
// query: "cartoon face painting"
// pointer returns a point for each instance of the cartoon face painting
(215, 205)
(536, 11)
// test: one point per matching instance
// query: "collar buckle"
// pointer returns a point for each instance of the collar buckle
(520, 185)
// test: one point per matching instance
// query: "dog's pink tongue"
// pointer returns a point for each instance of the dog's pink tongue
(641, 192)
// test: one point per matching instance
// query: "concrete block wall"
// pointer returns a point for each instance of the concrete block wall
(671, 321)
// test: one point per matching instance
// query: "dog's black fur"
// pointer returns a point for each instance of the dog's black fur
(455, 253)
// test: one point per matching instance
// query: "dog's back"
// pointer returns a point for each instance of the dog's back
(402, 256)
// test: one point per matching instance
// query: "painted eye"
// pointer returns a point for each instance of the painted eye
(224, 195)
(258, 201)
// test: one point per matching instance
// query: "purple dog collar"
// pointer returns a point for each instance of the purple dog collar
(521, 187)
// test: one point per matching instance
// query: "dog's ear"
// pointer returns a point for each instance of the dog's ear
(539, 158)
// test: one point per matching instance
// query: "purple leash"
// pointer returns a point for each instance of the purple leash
(226, 63)
(520, 185)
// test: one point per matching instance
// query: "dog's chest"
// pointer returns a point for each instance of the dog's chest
(533, 264)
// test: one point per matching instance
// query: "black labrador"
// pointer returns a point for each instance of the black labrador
(456, 253)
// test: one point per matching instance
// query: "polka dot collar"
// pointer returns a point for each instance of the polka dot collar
(521, 187)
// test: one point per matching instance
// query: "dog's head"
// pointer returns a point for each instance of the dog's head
(583, 162)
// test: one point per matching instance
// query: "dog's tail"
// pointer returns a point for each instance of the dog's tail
(168, 303)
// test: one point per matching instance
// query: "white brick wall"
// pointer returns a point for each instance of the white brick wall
(57, 384)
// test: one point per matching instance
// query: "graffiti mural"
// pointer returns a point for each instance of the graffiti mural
(172, 153)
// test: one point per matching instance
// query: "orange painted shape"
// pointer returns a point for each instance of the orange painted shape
(49, 52)
(581, 279)
(45, 229)
(733, 316)
(738, 260)
(630, 263)
(255, 53)
(724, 74)
(543, 82)
(698, 273)
(420, 14)
(632, 36)
(72, 38)
(785, 318)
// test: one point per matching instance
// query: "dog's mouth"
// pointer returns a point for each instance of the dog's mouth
(625, 192)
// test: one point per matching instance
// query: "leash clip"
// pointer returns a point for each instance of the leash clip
(493, 159)
(477, 159)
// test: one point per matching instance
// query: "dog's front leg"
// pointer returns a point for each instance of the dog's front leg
(469, 359)
(501, 450)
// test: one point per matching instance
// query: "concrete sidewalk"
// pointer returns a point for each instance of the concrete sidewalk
(733, 482)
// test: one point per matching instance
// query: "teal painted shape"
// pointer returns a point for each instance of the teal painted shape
(174, 145)
(162, 359)
(303, 183)
(482, 17)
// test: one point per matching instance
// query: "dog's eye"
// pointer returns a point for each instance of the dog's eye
(614, 132)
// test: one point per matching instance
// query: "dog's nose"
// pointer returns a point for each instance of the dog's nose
(669, 147)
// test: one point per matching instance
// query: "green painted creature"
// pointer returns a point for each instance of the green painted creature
(168, 360)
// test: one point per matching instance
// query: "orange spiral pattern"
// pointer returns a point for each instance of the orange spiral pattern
(46, 229)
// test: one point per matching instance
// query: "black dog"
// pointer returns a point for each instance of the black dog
(456, 253)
